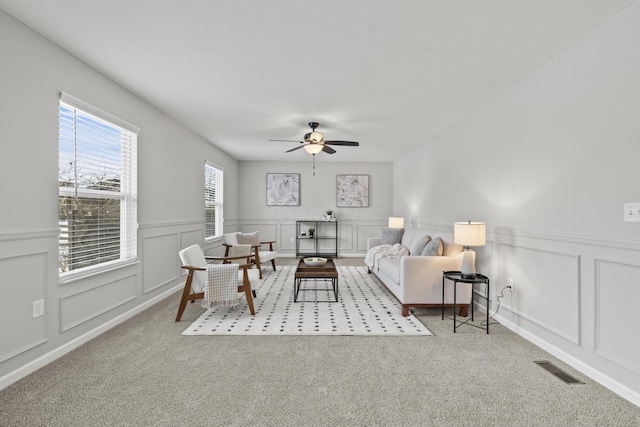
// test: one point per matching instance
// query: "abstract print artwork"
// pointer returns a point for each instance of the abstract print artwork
(283, 189)
(352, 191)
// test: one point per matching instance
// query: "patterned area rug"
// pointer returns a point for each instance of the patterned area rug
(365, 307)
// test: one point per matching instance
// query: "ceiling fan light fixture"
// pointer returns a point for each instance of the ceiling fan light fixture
(313, 148)
(315, 136)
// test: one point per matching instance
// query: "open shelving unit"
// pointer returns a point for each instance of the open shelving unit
(324, 242)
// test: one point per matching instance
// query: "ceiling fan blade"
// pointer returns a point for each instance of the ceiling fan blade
(294, 149)
(328, 150)
(347, 143)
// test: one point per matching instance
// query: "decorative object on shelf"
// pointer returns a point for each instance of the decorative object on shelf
(283, 189)
(329, 216)
(469, 234)
(315, 262)
(396, 222)
(352, 191)
(311, 231)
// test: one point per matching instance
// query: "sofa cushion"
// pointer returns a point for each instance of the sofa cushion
(418, 246)
(248, 238)
(448, 247)
(433, 248)
(391, 267)
(412, 235)
(391, 236)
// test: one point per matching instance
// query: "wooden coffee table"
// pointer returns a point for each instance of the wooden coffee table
(325, 272)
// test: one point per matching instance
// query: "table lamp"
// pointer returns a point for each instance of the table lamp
(469, 234)
(396, 222)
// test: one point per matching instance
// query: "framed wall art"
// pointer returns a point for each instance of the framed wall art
(283, 189)
(352, 191)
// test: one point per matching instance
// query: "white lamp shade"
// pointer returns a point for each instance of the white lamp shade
(470, 233)
(313, 148)
(396, 222)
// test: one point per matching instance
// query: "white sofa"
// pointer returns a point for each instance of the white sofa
(415, 280)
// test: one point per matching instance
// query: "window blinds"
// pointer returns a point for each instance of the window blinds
(97, 187)
(213, 180)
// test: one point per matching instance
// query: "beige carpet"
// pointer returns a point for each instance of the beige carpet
(144, 373)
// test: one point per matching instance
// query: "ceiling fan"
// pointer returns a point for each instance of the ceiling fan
(314, 142)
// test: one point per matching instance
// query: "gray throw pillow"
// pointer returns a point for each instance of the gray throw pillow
(391, 236)
(433, 248)
(248, 238)
(418, 246)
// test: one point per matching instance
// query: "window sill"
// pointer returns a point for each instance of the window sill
(67, 278)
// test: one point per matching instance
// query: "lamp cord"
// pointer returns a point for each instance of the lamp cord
(484, 323)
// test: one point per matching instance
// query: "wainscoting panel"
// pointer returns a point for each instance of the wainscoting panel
(363, 232)
(267, 232)
(617, 296)
(161, 261)
(345, 238)
(287, 238)
(90, 303)
(229, 226)
(484, 255)
(191, 237)
(24, 280)
(547, 287)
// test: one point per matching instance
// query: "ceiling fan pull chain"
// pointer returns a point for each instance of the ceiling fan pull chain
(314, 165)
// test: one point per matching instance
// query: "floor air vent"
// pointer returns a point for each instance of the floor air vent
(559, 373)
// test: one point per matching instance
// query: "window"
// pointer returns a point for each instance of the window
(97, 209)
(213, 201)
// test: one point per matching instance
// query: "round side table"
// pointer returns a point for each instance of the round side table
(457, 277)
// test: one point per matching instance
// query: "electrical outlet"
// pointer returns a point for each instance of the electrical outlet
(38, 308)
(291, 241)
(510, 284)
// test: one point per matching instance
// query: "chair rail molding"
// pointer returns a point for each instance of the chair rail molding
(28, 235)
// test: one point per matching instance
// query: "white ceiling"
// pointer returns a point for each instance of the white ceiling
(388, 74)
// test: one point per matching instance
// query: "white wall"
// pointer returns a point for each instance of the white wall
(170, 207)
(547, 165)
(317, 195)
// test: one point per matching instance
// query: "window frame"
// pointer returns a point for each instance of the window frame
(127, 185)
(218, 203)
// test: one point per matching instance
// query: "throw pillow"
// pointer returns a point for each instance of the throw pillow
(241, 250)
(433, 248)
(418, 246)
(248, 238)
(391, 236)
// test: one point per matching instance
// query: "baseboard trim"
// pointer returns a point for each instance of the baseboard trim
(45, 359)
(606, 381)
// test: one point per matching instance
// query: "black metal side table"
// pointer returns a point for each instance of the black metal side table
(457, 277)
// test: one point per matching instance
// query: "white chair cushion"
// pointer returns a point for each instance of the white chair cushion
(248, 238)
(194, 257)
(267, 256)
(230, 238)
(240, 250)
(254, 278)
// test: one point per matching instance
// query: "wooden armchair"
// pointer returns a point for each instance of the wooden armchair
(261, 254)
(195, 262)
